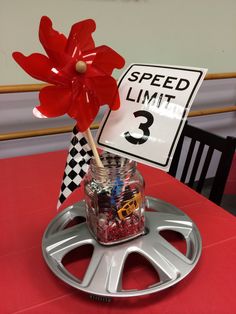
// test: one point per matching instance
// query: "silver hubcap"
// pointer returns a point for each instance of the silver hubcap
(104, 273)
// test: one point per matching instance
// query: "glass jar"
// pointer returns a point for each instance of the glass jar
(115, 200)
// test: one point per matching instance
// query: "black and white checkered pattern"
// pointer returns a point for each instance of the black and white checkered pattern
(77, 165)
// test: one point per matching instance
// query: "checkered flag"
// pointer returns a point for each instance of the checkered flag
(77, 165)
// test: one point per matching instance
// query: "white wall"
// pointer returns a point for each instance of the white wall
(213, 94)
(182, 32)
(16, 114)
(197, 33)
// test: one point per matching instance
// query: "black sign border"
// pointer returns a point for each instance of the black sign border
(181, 121)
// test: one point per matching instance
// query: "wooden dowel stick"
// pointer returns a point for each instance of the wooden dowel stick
(91, 142)
(81, 67)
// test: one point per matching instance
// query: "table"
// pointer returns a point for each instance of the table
(29, 191)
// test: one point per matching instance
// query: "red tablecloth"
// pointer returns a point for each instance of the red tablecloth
(29, 191)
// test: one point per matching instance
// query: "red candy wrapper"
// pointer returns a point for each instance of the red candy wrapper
(115, 200)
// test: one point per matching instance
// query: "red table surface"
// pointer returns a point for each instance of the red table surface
(29, 191)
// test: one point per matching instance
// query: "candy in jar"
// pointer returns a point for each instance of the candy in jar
(115, 201)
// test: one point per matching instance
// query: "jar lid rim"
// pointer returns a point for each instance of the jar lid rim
(111, 161)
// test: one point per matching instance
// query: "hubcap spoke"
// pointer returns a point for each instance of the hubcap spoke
(62, 242)
(104, 272)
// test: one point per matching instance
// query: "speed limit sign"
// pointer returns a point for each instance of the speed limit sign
(155, 101)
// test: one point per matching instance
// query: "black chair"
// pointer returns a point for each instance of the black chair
(198, 159)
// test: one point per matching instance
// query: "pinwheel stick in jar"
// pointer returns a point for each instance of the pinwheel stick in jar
(81, 67)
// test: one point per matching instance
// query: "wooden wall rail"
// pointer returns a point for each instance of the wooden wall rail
(220, 76)
(23, 88)
(68, 128)
(205, 112)
(65, 129)
(39, 132)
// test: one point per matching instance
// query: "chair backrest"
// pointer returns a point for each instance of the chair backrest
(198, 159)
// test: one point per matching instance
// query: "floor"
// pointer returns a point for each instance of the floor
(229, 198)
(229, 203)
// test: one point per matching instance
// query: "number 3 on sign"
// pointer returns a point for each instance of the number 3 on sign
(144, 127)
(154, 103)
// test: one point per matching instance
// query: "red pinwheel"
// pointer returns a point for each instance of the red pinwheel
(79, 72)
